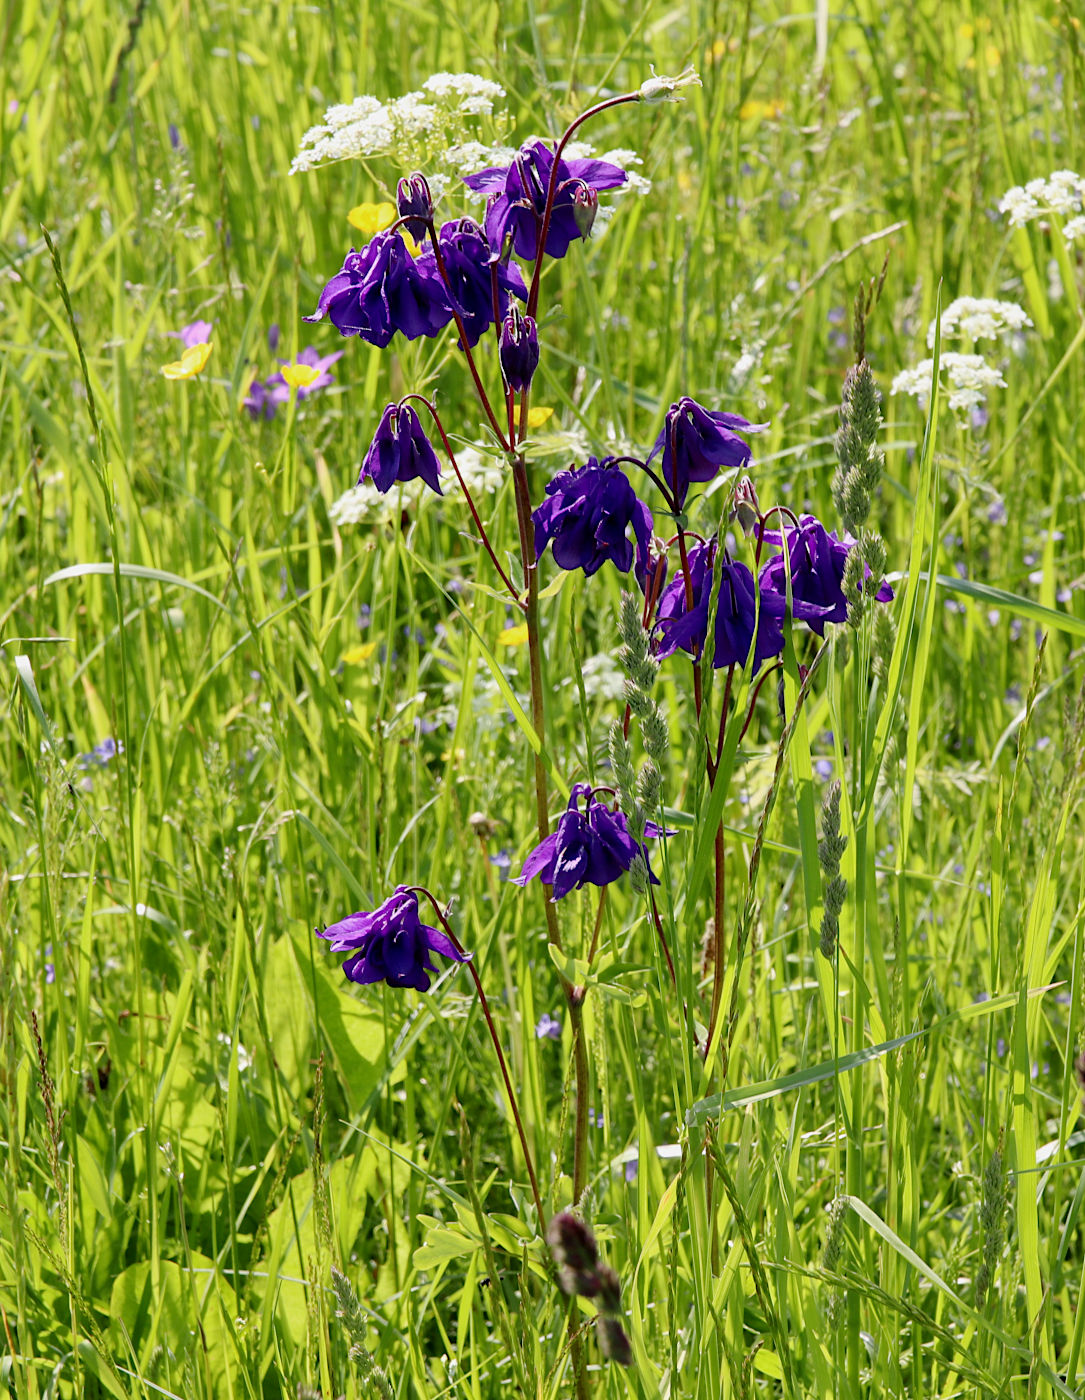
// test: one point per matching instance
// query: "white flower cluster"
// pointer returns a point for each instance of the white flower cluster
(364, 505)
(980, 318)
(968, 378)
(1062, 194)
(604, 679)
(469, 157)
(482, 475)
(369, 127)
(1074, 229)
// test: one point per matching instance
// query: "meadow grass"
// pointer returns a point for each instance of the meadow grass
(200, 1119)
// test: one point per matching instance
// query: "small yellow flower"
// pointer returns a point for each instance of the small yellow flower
(992, 55)
(371, 218)
(755, 110)
(536, 417)
(965, 32)
(355, 656)
(513, 636)
(190, 363)
(300, 376)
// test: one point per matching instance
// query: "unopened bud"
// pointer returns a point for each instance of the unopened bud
(414, 200)
(660, 89)
(585, 206)
(746, 509)
(519, 350)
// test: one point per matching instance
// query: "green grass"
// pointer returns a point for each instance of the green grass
(199, 1117)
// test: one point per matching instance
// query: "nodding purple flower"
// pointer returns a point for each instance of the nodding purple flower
(817, 571)
(468, 261)
(585, 516)
(592, 847)
(400, 451)
(519, 350)
(736, 613)
(413, 198)
(391, 944)
(382, 290)
(696, 443)
(518, 198)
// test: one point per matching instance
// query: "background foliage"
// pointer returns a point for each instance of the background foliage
(198, 1118)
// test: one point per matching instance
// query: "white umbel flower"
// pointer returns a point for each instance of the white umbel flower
(968, 378)
(980, 318)
(1062, 194)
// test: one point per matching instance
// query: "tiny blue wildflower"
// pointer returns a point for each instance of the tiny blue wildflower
(548, 1027)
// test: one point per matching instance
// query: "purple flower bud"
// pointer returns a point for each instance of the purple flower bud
(746, 509)
(585, 206)
(519, 350)
(414, 199)
(273, 337)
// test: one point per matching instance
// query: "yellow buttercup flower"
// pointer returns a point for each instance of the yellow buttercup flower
(371, 218)
(536, 417)
(190, 363)
(513, 636)
(299, 376)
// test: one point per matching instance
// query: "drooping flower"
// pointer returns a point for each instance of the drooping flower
(585, 516)
(382, 290)
(519, 350)
(518, 198)
(817, 560)
(468, 259)
(592, 847)
(696, 443)
(400, 451)
(740, 607)
(391, 944)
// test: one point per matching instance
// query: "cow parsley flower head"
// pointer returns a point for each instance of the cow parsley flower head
(980, 318)
(1062, 194)
(968, 378)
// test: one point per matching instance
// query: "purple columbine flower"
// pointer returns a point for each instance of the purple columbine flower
(382, 290)
(391, 944)
(696, 443)
(592, 847)
(736, 611)
(585, 516)
(196, 333)
(817, 571)
(518, 198)
(519, 350)
(400, 451)
(468, 260)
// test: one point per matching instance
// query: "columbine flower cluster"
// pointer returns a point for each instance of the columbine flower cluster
(698, 598)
